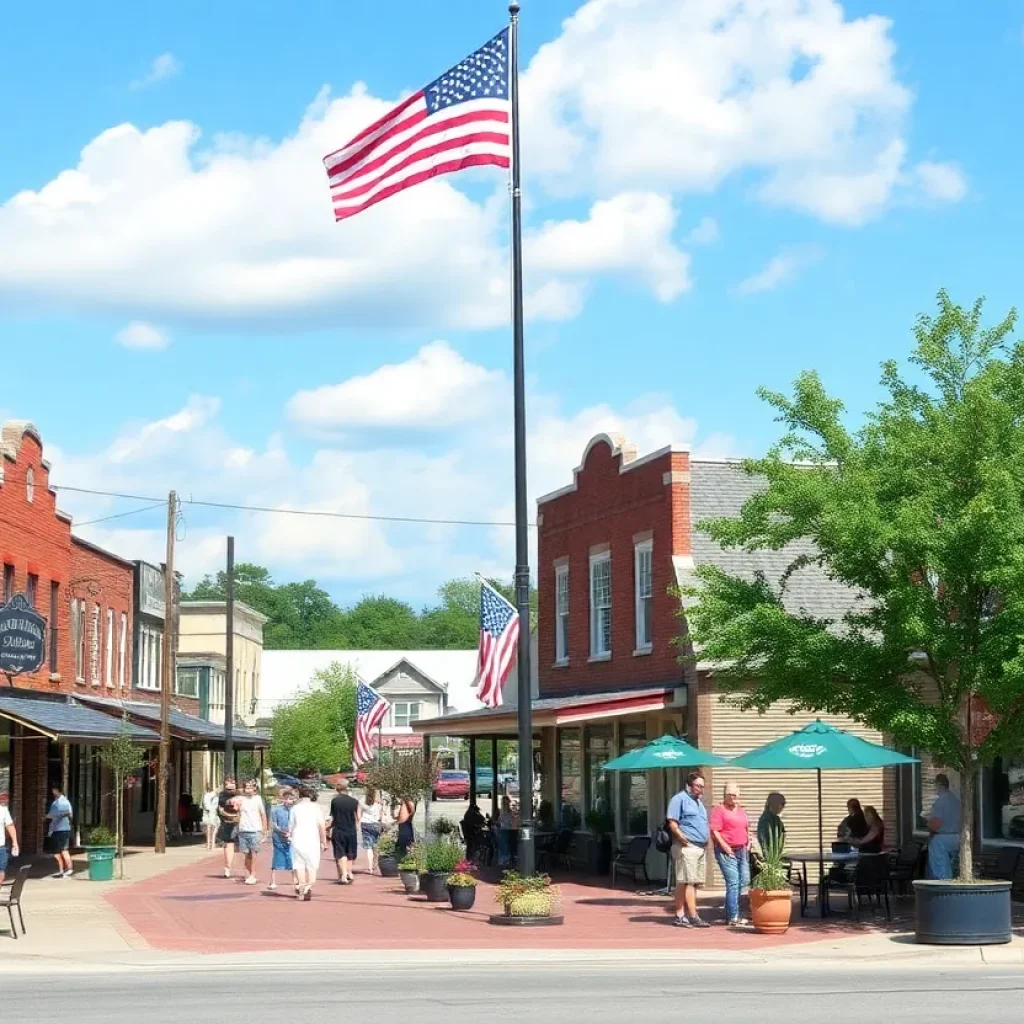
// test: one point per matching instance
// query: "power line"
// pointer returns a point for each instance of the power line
(121, 515)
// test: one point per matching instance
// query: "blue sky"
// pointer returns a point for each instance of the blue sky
(719, 195)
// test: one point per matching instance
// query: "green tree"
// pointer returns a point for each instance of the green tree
(315, 732)
(920, 512)
(122, 756)
(455, 622)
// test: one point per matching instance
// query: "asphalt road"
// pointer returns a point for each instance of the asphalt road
(369, 989)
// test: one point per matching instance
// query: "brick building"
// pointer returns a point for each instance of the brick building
(613, 546)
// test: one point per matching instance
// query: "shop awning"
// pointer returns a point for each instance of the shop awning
(554, 711)
(64, 719)
(187, 728)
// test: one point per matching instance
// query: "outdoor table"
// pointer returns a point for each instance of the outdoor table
(813, 857)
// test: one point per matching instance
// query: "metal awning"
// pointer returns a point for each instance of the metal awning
(188, 728)
(64, 719)
(551, 711)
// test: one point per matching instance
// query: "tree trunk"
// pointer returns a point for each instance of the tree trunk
(968, 788)
(119, 799)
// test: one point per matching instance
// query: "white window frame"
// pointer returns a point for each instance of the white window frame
(94, 645)
(122, 651)
(150, 653)
(406, 715)
(108, 654)
(599, 651)
(643, 603)
(78, 637)
(562, 614)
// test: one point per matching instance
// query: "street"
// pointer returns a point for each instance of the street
(370, 988)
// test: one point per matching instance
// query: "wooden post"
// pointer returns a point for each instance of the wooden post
(494, 778)
(472, 769)
(160, 823)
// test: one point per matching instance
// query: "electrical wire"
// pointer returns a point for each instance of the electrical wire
(121, 515)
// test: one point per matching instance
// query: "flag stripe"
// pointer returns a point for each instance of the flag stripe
(375, 130)
(371, 708)
(397, 131)
(446, 167)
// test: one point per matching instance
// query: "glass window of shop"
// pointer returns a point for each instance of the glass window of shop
(633, 785)
(1002, 799)
(570, 778)
(600, 750)
(84, 786)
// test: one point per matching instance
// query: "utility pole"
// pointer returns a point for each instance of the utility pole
(229, 657)
(166, 681)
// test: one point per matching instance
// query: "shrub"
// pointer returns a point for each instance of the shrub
(101, 836)
(462, 877)
(442, 857)
(773, 874)
(388, 842)
(444, 828)
(414, 860)
(526, 897)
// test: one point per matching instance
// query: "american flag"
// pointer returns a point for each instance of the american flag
(460, 120)
(499, 634)
(371, 708)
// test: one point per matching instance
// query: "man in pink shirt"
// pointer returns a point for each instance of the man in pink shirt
(730, 833)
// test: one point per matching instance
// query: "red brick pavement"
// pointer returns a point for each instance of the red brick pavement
(196, 909)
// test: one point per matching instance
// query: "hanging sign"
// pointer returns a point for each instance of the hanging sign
(22, 637)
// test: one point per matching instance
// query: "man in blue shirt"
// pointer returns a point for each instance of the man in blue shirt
(944, 826)
(59, 818)
(688, 823)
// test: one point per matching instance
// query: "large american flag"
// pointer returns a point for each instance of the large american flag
(499, 634)
(371, 708)
(460, 120)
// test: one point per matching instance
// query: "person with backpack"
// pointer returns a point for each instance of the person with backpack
(687, 819)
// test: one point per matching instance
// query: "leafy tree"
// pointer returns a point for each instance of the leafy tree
(122, 756)
(407, 775)
(921, 513)
(315, 732)
(455, 623)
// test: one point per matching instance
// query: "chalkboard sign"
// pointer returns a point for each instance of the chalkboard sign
(22, 637)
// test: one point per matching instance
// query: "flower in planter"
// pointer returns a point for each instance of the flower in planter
(462, 877)
(532, 896)
(441, 857)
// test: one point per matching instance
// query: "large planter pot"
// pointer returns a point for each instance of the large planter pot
(388, 867)
(101, 862)
(411, 881)
(462, 896)
(770, 910)
(951, 913)
(596, 854)
(434, 885)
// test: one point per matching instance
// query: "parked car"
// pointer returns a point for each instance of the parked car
(284, 779)
(452, 785)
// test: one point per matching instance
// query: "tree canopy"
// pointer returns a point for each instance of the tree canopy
(920, 512)
(304, 617)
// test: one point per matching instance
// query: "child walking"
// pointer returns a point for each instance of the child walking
(280, 826)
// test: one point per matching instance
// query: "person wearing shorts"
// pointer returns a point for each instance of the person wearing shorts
(59, 817)
(252, 827)
(7, 832)
(227, 830)
(344, 822)
(688, 823)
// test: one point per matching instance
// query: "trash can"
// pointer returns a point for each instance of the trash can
(101, 862)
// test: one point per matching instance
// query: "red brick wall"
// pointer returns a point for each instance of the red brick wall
(612, 507)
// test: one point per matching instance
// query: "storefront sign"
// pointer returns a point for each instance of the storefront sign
(22, 637)
(152, 591)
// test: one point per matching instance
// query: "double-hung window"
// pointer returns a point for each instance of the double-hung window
(600, 604)
(644, 595)
(562, 613)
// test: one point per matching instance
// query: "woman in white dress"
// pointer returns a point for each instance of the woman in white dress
(309, 840)
(211, 820)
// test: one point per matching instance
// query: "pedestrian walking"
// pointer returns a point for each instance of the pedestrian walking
(371, 824)
(252, 828)
(59, 830)
(344, 822)
(211, 819)
(688, 823)
(943, 829)
(280, 835)
(227, 814)
(730, 833)
(309, 840)
(8, 833)
(406, 835)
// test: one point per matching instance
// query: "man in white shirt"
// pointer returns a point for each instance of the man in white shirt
(252, 827)
(944, 828)
(7, 832)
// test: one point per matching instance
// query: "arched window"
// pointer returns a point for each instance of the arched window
(30, 484)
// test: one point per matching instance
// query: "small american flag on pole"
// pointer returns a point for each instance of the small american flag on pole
(499, 634)
(459, 120)
(371, 708)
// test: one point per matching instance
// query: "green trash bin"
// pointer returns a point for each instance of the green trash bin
(101, 863)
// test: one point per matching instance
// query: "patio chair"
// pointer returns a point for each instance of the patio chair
(903, 865)
(558, 852)
(10, 897)
(1002, 865)
(633, 858)
(870, 879)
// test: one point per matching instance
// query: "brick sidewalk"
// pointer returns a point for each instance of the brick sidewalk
(195, 909)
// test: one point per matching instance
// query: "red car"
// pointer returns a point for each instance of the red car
(452, 785)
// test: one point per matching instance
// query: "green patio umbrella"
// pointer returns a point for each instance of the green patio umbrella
(821, 747)
(664, 752)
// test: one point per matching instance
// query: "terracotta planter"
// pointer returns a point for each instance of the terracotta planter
(770, 910)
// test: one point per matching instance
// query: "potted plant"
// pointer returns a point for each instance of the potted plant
(526, 897)
(101, 850)
(444, 828)
(771, 899)
(409, 868)
(601, 826)
(462, 886)
(439, 861)
(386, 859)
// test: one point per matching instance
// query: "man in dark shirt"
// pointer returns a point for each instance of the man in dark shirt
(227, 831)
(345, 815)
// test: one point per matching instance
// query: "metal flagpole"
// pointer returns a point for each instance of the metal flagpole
(522, 578)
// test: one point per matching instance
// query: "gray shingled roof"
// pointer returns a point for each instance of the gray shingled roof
(199, 728)
(718, 490)
(66, 719)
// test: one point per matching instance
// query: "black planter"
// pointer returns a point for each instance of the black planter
(595, 853)
(388, 867)
(462, 896)
(434, 885)
(953, 913)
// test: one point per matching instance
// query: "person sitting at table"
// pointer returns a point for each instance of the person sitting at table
(473, 825)
(503, 833)
(854, 825)
(874, 838)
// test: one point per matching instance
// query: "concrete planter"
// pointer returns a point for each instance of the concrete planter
(411, 881)
(951, 913)
(434, 885)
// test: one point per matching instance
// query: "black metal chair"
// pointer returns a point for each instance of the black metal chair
(558, 852)
(870, 878)
(632, 859)
(903, 865)
(10, 897)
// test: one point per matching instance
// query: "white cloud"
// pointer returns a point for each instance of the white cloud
(704, 233)
(142, 336)
(629, 234)
(163, 67)
(679, 96)
(942, 182)
(781, 269)
(436, 389)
